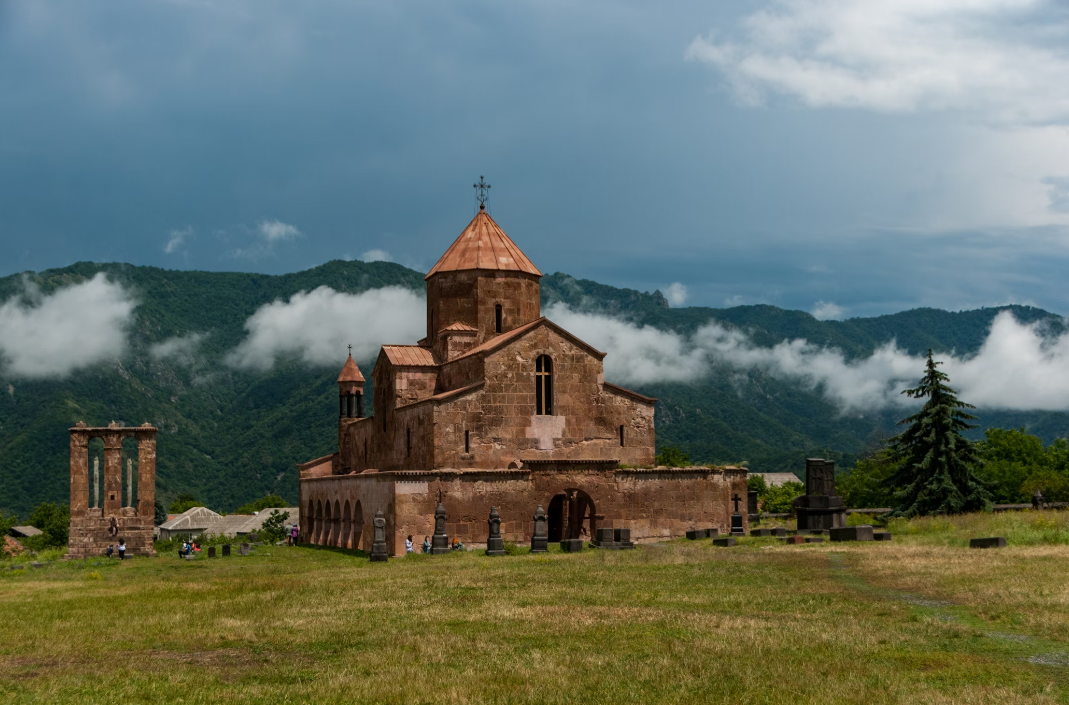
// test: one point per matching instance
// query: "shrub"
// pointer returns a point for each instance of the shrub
(274, 527)
(93, 575)
(672, 457)
(778, 499)
(54, 521)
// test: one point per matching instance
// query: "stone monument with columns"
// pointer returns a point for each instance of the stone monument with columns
(94, 525)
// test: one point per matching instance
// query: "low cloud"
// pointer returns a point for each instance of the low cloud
(1058, 192)
(43, 337)
(181, 349)
(1018, 367)
(676, 294)
(827, 311)
(376, 256)
(276, 230)
(316, 326)
(176, 239)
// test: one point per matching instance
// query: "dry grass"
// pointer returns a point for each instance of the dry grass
(760, 623)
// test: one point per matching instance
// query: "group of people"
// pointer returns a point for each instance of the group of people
(409, 548)
(189, 548)
(122, 550)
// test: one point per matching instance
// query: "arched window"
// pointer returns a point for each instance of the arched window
(497, 318)
(544, 386)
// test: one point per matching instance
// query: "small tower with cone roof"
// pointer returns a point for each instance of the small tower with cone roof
(350, 390)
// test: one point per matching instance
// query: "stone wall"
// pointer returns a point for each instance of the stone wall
(470, 297)
(658, 503)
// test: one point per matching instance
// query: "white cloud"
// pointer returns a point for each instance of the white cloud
(1004, 58)
(1016, 368)
(736, 300)
(177, 238)
(826, 310)
(276, 230)
(376, 256)
(76, 327)
(316, 326)
(180, 348)
(1058, 193)
(676, 294)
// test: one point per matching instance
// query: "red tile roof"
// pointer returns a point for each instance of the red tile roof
(461, 327)
(350, 372)
(409, 355)
(483, 245)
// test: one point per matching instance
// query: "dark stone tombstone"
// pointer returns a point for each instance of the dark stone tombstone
(1038, 502)
(761, 532)
(211, 551)
(712, 533)
(622, 537)
(540, 538)
(226, 549)
(254, 537)
(819, 507)
(779, 531)
(378, 543)
(751, 507)
(571, 545)
(440, 540)
(852, 533)
(35, 564)
(726, 541)
(604, 538)
(881, 535)
(695, 534)
(245, 548)
(495, 545)
(992, 542)
(737, 528)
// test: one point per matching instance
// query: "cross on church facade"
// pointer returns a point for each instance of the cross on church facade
(482, 192)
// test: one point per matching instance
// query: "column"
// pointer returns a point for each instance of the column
(146, 473)
(79, 474)
(129, 482)
(96, 482)
(112, 474)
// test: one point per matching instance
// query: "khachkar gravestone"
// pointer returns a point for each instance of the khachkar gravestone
(378, 543)
(819, 507)
(495, 545)
(540, 538)
(737, 528)
(440, 540)
(94, 527)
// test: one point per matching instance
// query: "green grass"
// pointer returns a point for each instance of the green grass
(918, 620)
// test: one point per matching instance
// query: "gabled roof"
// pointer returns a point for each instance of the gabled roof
(464, 327)
(483, 245)
(505, 338)
(409, 355)
(630, 393)
(25, 531)
(446, 396)
(350, 372)
(196, 518)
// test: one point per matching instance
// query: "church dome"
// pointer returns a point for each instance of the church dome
(483, 245)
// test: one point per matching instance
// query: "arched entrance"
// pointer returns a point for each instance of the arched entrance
(318, 538)
(335, 532)
(347, 526)
(308, 525)
(358, 524)
(571, 515)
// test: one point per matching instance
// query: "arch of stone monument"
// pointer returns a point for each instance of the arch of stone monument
(358, 524)
(319, 523)
(308, 523)
(335, 531)
(328, 525)
(347, 526)
(571, 514)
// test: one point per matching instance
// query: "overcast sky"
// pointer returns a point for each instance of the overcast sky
(849, 157)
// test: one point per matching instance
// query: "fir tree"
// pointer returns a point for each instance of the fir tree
(935, 473)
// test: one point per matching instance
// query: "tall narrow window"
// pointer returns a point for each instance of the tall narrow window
(467, 442)
(497, 318)
(544, 386)
(408, 442)
(621, 436)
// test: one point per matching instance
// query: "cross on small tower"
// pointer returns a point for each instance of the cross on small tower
(736, 499)
(482, 194)
(350, 351)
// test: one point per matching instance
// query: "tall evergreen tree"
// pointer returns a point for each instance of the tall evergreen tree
(935, 473)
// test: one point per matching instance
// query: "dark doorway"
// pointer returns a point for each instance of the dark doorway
(556, 518)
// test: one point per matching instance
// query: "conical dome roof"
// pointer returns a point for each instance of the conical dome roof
(483, 245)
(350, 372)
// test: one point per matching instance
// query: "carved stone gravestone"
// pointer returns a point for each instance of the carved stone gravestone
(440, 540)
(1038, 502)
(540, 538)
(622, 537)
(737, 528)
(245, 548)
(226, 549)
(751, 507)
(378, 543)
(604, 538)
(495, 545)
(211, 551)
(819, 507)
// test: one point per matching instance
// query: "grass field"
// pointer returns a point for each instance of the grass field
(920, 620)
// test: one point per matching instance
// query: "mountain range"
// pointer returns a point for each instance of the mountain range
(229, 435)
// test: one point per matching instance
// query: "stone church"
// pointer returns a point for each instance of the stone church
(498, 406)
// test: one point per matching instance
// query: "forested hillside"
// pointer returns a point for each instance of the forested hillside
(229, 436)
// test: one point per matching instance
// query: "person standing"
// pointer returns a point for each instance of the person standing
(122, 549)
(408, 544)
(294, 533)
(426, 544)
